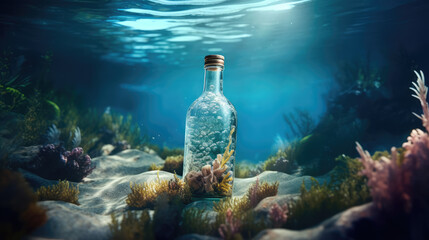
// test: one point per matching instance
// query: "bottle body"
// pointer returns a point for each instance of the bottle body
(210, 141)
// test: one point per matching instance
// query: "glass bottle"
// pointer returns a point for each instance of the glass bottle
(210, 137)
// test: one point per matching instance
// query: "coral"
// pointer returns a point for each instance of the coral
(19, 212)
(231, 228)
(278, 215)
(145, 194)
(197, 221)
(52, 162)
(134, 226)
(224, 186)
(212, 179)
(227, 154)
(397, 183)
(63, 191)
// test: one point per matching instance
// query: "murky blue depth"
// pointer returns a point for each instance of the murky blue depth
(146, 57)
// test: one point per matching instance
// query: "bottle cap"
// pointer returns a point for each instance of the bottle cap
(214, 60)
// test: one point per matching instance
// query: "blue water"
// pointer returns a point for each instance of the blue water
(146, 57)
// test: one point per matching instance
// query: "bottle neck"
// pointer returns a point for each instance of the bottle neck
(213, 79)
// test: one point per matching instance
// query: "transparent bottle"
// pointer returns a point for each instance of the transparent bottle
(210, 137)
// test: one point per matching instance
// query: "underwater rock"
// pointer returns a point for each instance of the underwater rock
(196, 237)
(23, 156)
(120, 146)
(68, 221)
(106, 149)
(263, 208)
(354, 223)
(288, 184)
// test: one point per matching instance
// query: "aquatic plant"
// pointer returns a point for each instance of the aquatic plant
(53, 162)
(144, 195)
(195, 220)
(300, 124)
(167, 216)
(257, 191)
(63, 191)
(346, 189)
(231, 228)
(242, 210)
(280, 162)
(398, 183)
(166, 151)
(154, 167)
(134, 226)
(19, 212)
(173, 164)
(212, 178)
(278, 215)
(12, 83)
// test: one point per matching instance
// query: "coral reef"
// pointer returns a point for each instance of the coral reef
(145, 194)
(134, 226)
(19, 212)
(63, 191)
(212, 179)
(53, 162)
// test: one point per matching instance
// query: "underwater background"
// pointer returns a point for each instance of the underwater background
(145, 58)
(93, 102)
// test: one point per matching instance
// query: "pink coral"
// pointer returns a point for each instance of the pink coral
(278, 215)
(400, 183)
(231, 227)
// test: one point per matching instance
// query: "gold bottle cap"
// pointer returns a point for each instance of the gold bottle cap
(214, 60)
